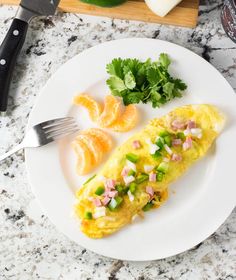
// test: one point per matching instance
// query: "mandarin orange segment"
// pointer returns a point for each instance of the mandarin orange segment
(84, 158)
(127, 120)
(94, 147)
(101, 136)
(93, 107)
(111, 112)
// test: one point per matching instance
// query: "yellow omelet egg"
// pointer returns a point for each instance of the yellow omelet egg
(136, 177)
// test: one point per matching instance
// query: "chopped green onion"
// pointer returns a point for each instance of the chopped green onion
(160, 176)
(88, 215)
(168, 140)
(132, 157)
(163, 167)
(131, 173)
(160, 142)
(90, 179)
(126, 189)
(164, 133)
(157, 155)
(100, 190)
(119, 188)
(147, 207)
(118, 200)
(132, 187)
(181, 136)
(114, 203)
(142, 178)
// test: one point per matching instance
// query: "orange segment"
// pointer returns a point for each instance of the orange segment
(127, 121)
(93, 107)
(111, 112)
(84, 158)
(101, 136)
(94, 147)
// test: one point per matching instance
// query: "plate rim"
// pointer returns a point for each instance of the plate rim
(35, 105)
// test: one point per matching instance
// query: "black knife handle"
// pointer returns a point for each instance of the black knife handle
(9, 51)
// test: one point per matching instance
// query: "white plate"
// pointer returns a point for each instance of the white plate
(203, 198)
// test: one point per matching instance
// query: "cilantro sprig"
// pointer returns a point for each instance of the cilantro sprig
(136, 81)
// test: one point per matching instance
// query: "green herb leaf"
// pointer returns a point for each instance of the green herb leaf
(132, 98)
(164, 60)
(132, 65)
(155, 97)
(179, 84)
(130, 80)
(115, 68)
(141, 75)
(136, 81)
(168, 90)
(116, 84)
(153, 76)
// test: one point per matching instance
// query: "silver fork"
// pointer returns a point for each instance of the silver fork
(45, 133)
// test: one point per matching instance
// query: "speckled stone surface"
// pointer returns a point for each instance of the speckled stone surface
(30, 246)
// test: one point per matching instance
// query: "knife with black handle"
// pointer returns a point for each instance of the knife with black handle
(15, 38)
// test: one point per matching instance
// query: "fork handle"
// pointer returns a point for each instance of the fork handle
(11, 152)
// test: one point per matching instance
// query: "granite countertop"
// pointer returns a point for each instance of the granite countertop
(30, 246)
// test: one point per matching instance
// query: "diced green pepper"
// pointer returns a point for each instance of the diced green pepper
(163, 167)
(119, 188)
(147, 207)
(157, 155)
(164, 133)
(131, 173)
(132, 187)
(104, 3)
(181, 136)
(132, 157)
(90, 179)
(100, 190)
(160, 176)
(160, 142)
(142, 178)
(88, 215)
(168, 140)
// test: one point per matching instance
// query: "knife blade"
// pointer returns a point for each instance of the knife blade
(40, 7)
(15, 38)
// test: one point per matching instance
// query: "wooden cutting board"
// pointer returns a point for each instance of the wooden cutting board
(185, 14)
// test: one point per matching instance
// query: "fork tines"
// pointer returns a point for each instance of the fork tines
(59, 128)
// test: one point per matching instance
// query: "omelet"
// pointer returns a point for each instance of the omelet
(136, 177)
